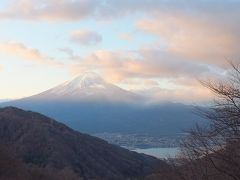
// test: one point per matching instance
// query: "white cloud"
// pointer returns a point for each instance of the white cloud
(188, 94)
(85, 37)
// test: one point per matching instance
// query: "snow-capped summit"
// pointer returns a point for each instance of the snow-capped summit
(87, 80)
(88, 86)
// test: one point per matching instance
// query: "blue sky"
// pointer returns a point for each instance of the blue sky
(159, 48)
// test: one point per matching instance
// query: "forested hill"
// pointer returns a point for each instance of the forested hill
(40, 142)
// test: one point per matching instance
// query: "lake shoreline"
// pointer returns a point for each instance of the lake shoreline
(161, 153)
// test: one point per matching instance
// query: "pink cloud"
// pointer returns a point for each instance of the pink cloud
(143, 64)
(19, 50)
(194, 38)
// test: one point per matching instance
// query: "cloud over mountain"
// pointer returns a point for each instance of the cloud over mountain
(148, 63)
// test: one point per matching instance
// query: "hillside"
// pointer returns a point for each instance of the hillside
(44, 143)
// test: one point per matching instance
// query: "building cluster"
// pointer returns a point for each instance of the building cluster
(132, 141)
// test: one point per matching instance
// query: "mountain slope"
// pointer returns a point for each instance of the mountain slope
(43, 142)
(91, 105)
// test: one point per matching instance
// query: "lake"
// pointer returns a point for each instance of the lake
(159, 152)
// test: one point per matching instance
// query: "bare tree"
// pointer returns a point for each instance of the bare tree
(213, 152)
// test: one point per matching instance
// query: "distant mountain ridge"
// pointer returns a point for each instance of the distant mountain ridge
(91, 105)
(42, 142)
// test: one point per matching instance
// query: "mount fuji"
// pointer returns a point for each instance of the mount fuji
(91, 105)
(88, 87)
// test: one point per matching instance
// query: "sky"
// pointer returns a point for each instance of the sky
(159, 48)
